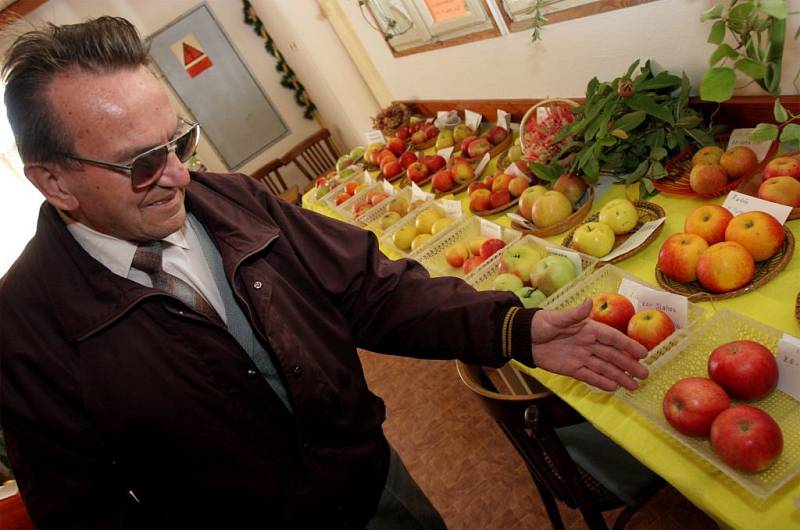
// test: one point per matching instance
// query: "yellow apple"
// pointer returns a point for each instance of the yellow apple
(403, 237)
(527, 198)
(440, 224)
(595, 239)
(475, 245)
(550, 208)
(388, 219)
(425, 220)
(620, 215)
(419, 240)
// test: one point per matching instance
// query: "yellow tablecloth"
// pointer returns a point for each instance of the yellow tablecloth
(701, 483)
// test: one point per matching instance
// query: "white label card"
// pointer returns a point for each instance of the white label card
(482, 164)
(789, 365)
(643, 297)
(375, 137)
(635, 239)
(446, 152)
(429, 120)
(418, 195)
(742, 137)
(472, 119)
(442, 114)
(521, 221)
(387, 187)
(737, 203)
(514, 171)
(573, 257)
(452, 209)
(503, 119)
(489, 229)
(368, 177)
(542, 113)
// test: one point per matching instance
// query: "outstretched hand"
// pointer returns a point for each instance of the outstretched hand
(568, 342)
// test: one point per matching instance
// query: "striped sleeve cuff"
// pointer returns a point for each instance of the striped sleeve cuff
(516, 335)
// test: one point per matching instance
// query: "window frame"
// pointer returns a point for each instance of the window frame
(586, 10)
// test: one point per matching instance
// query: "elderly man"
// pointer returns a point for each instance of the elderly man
(180, 350)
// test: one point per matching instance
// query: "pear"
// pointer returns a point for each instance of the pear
(445, 139)
(460, 132)
(357, 152)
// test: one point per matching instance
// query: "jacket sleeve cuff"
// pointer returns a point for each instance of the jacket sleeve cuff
(516, 337)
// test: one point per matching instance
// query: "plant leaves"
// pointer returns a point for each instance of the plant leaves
(764, 132)
(701, 136)
(717, 84)
(662, 80)
(542, 171)
(774, 8)
(619, 133)
(683, 96)
(631, 69)
(772, 79)
(723, 51)
(690, 121)
(649, 189)
(717, 34)
(791, 135)
(658, 153)
(657, 170)
(779, 111)
(645, 103)
(631, 120)
(751, 68)
(712, 13)
(637, 173)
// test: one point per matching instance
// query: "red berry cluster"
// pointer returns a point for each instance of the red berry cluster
(538, 135)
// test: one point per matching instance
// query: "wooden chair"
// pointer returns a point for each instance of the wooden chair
(568, 459)
(314, 156)
(269, 174)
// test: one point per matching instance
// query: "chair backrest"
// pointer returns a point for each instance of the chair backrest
(269, 174)
(314, 156)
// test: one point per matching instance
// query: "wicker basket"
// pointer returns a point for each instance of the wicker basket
(496, 150)
(647, 211)
(386, 240)
(432, 256)
(577, 217)
(765, 271)
(483, 277)
(750, 186)
(531, 114)
(797, 307)
(689, 358)
(502, 208)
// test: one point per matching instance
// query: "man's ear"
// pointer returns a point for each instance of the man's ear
(49, 180)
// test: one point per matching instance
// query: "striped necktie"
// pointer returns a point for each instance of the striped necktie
(148, 260)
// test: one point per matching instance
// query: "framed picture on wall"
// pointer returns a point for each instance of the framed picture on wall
(207, 74)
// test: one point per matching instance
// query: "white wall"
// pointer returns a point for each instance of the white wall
(570, 54)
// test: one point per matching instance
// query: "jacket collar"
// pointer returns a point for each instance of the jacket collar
(97, 295)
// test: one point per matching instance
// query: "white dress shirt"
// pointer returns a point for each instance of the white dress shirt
(182, 257)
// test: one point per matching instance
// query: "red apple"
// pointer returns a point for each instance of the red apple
(782, 166)
(707, 178)
(442, 181)
(572, 186)
(396, 146)
(490, 246)
(760, 233)
(351, 187)
(679, 255)
(707, 155)
(465, 144)
(612, 309)
(478, 148)
(404, 133)
(434, 162)
(725, 267)
(457, 254)
(496, 135)
(501, 181)
(462, 171)
(408, 158)
(692, 404)
(517, 186)
(744, 368)
(342, 197)
(499, 198)
(739, 161)
(783, 190)
(417, 172)
(392, 170)
(746, 438)
(471, 263)
(479, 200)
(649, 327)
(488, 180)
(430, 131)
(709, 222)
(418, 137)
(476, 186)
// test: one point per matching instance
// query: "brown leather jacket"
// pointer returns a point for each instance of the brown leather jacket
(124, 409)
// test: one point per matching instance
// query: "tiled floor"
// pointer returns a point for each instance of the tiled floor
(464, 463)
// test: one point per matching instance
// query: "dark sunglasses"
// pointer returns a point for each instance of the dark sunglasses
(147, 167)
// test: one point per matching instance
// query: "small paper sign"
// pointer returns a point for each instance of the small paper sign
(643, 297)
(368, 178)
(429, 120)
(789, 365)
(514, 171)
(521, 221)
(442, 114)
(387, 187)
(737, 203)
(452, 209)
(482, 164)
(742, 137)
(418, 195)
(636, 239)
(503, 119)
(489, 229)
(472, 119)
(573, 257)
(542, 113)
(445, 153)
(375, 137)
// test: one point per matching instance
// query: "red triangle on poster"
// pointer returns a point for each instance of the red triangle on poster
(190, 53)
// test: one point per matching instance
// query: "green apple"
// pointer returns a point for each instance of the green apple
(460, 132)
(388, 219)
(515, 153)
(403, 237)
(520, 258)
(620, 215)
(343, 161)
(346, 172)
(595, 239)
(322, 191)
(552, 273)
(530, 297)
(550, 208)
(507, 282)
(445, 139)
(357, 152)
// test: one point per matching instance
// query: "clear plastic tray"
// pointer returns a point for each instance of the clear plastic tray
(329, 199)
(432, 255)
(482, 277)
(371, 218)
(386, 239)
(345, 210)
(690, 358)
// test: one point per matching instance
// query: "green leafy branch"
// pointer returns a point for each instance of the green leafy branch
(787, 132)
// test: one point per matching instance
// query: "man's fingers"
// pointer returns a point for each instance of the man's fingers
(565, 318)
(618, 340)
(593, 378)
(621, 361)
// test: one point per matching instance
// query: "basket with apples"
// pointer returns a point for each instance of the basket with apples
(389, 212)
(534, 269)
(363, 200)
(547, 211)
(619, 230)
(463, 247)
(495, 141)
(719, 255)
(778, 182)
(715, 393)
(423, 221)
(346, 188)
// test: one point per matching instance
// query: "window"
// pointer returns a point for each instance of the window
(517, 13)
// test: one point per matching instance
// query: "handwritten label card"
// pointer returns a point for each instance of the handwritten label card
(387, 187)
(737, 203)
(573, 257)
(445, 153)
(514, 171)
(452, 209)
(742, 137)
(521, 221)
(489, 229)
(503, 119)
(636, 239)
(375, 137)
(472, 119)
(643, 297)
(418, 195)
(482, 164)
(789, 365)
(368, 178)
